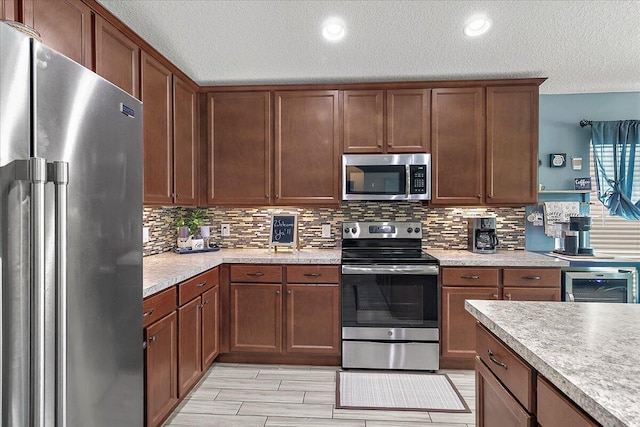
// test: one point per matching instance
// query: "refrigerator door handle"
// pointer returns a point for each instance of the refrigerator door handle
(34, 170)
(58, 174)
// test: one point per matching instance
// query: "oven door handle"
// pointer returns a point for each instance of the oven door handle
(391, 269)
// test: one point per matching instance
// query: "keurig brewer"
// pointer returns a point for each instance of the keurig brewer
(582, 224)
(482, 234)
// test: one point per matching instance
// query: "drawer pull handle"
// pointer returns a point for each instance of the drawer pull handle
(532, 277)
(148, 313)
(199, 285)
(258, 274)
(497, 362)
(312, 274)
(470, 277)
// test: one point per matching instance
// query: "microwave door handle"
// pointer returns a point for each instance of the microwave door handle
(407, 173)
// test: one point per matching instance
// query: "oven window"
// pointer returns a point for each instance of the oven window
(376, 179)
(389, 300)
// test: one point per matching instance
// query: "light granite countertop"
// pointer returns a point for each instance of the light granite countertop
(589, 351)
(167, 269)
(502, 258)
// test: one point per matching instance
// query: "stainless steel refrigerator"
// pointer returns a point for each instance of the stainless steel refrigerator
(70, 243)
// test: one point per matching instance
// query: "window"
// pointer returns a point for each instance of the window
(612, 235)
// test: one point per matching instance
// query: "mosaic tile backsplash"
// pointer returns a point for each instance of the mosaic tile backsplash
(444, 228)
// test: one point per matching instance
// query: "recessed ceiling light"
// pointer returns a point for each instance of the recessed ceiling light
(333, 30)
(477, 25)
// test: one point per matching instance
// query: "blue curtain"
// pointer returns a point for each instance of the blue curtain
(616, 148)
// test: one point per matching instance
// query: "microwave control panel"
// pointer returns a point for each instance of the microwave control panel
(418, 179)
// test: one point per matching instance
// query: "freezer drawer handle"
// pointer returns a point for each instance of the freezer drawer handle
(496, 361)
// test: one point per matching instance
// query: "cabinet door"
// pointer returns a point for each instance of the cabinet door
(457, 146)
(408, 121)
(256, 317)
(512, 144)
(117, 57)
(458, 326)
(239, 148)
(531, 294)
(185, 143)
(210, 326)
(161, 375)
(307, 147)
(8, 9)
(363, 121)
(494, 405)
(313, 319)
(189, 345)
(64, 25)
(552, 406)
(158, 132)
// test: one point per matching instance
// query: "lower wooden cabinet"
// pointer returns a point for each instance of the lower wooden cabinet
(210, 326)
(494, 404)
(161, 364)
(458, 336)
(189, 345)
(300, 315)
(554, 406)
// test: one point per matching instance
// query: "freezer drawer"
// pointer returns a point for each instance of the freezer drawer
(387, 355)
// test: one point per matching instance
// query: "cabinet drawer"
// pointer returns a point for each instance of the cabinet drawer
(453, 276)
(512, 371)
(256, 273)
(157, 306)
(189, 289)
(531, 277)
(313, 274)
(554, 406)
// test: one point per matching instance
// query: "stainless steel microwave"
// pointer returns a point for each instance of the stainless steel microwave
(386, 176)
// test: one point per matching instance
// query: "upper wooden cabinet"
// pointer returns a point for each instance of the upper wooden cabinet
(386, 121)
(64, 25)
(457, 146)
(8, 9)
(512, 145)
(239, 148)
(185, 143)
(158, 131)
(474, 167)
(307, 147)
(117, 57)
(170, 138)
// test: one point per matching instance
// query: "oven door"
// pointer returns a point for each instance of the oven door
(390, 297)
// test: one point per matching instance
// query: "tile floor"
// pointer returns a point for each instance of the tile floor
(238, 395)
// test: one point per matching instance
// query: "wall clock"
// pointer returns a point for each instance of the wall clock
(558, 160)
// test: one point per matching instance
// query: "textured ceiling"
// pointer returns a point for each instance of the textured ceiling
(581, 46)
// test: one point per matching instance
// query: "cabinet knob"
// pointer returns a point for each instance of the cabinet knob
(390, 143)
(495, 296)
(277, 196)
(289, 292)
(277, 292)
(177, 195)
(266, 196)
(379, 144)
(508, 296)
(490, 195)
(479, 196)
(152, 339)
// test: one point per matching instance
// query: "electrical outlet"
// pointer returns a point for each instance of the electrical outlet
(225, 230)
(145, 234)
(326, 230)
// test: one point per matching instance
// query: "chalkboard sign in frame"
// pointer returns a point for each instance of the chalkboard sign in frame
(283, 231)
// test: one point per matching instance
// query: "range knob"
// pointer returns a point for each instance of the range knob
(409, 230)
(353, 230)
(417, 230)
(346, 230)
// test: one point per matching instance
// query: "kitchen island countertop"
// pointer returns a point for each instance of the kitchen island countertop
(167, 269)
(589, 351)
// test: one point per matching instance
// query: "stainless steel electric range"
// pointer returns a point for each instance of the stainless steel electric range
(389, 297)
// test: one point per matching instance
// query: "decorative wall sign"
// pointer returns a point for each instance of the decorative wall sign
(558, 160)
(284, 231)
(582, 183)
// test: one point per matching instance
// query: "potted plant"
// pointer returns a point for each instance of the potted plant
(189, 223)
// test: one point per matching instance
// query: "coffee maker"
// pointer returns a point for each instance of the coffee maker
(482, 234)
(582, 225)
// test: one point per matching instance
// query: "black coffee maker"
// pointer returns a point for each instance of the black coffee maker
(482, 234)
(582, 225)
